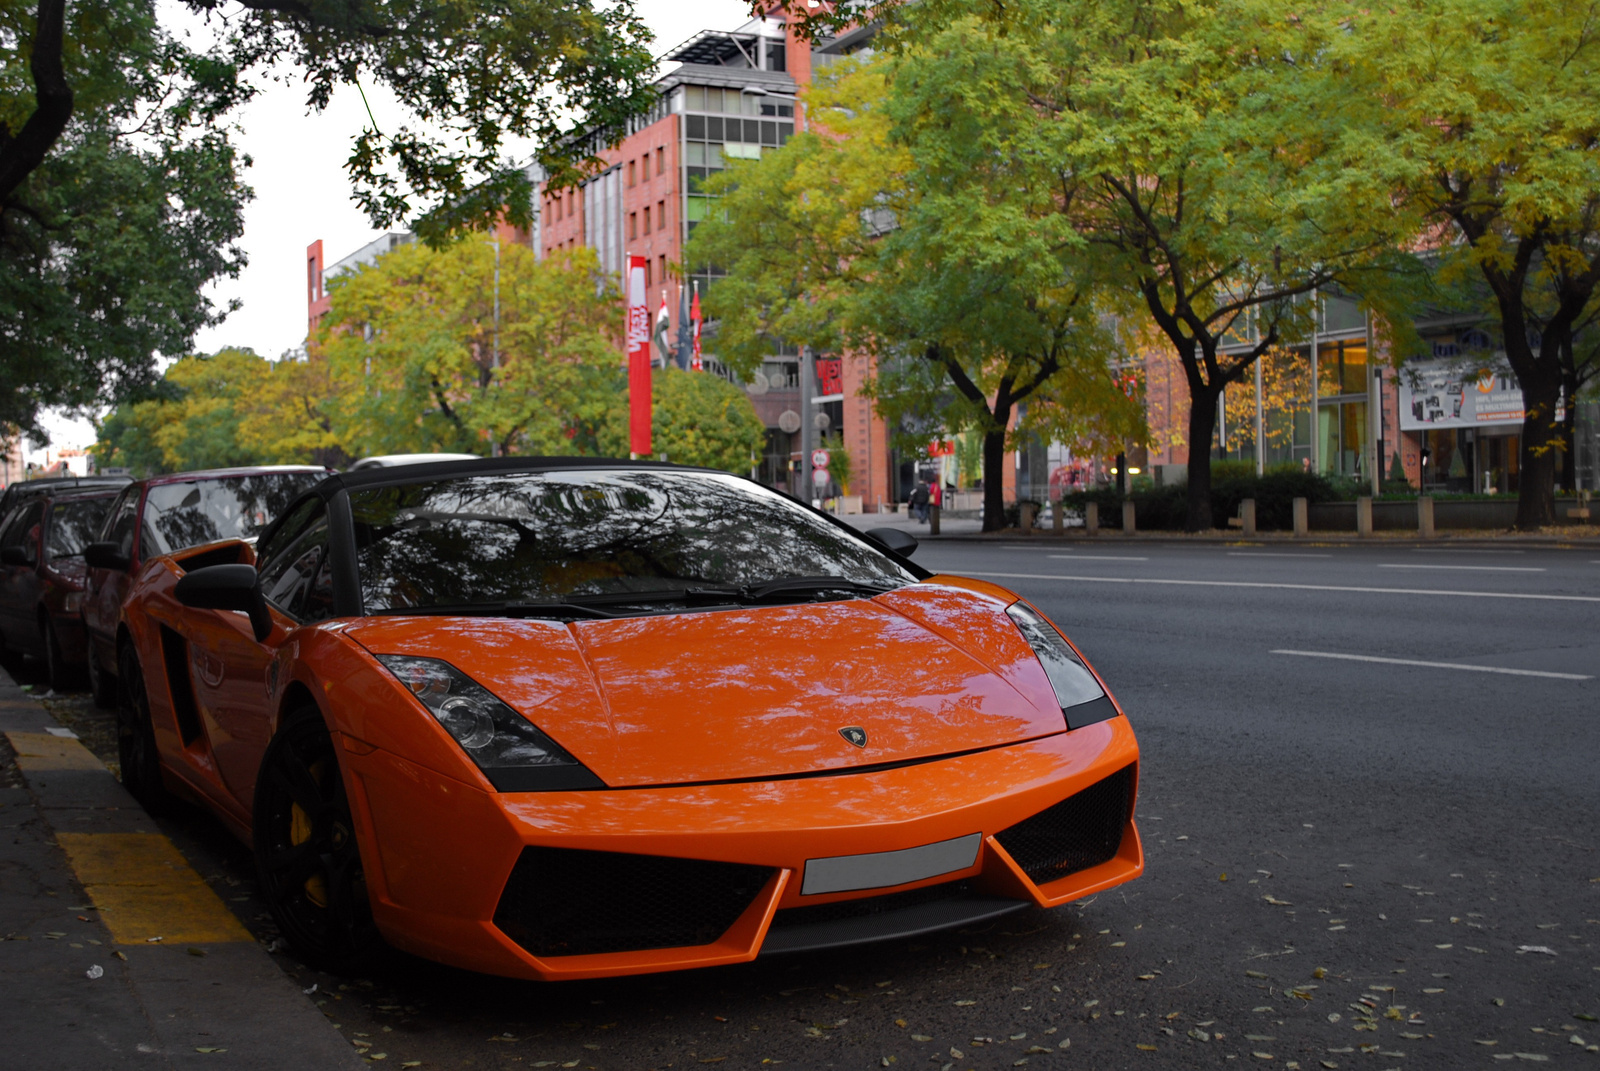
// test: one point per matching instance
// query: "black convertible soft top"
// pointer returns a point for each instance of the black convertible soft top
(392, 474)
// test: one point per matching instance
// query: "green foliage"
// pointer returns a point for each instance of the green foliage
(108, 242)
(196, 424)
(410, 344)
(1165, 508)
(841, 467)
(696, 419)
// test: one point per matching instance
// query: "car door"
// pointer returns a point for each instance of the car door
(228, 665)
(19, 584)
(102, 602)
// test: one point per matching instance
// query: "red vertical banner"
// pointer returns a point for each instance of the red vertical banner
(638, 342)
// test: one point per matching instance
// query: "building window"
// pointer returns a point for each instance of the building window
(661, 160)
(647, 219)
(661, 215)
(633, 225)
(647, 283)
(663, 272)
(631, 177)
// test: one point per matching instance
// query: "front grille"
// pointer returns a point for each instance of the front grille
(869, 906)
(1081, 831)
(568, 902)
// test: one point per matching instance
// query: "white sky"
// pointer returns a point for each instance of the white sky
(302, 194)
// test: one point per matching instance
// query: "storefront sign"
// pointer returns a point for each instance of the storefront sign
(831, 375)
(1451, 394)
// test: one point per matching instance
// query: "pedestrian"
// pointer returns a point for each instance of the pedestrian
(919, 502)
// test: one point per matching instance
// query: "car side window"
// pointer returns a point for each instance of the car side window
(19, 530)
(121, 521)
(296, 574)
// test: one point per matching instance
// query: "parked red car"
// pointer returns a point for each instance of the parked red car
(42, 574)
(164, 514)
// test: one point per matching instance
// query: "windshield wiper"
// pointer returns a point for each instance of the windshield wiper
(795, 585)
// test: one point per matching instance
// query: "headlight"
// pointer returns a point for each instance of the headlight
(510, 750)
(1083, 701)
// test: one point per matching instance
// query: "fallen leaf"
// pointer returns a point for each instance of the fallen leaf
(1145, 1048)
(965, 1003)
(901, 1023)
(1254, 974)
(1543, 950)
(921, 1037)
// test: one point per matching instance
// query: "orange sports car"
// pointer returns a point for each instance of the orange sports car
(561, 718)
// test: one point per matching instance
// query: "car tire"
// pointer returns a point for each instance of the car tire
(136, 738)
(307, 860)
(102, 685)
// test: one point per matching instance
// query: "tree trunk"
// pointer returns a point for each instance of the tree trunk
(1202, 430)
(994, 479)
(1541, 437)
(1569, 421)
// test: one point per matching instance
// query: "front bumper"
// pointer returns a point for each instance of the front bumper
(445, 859)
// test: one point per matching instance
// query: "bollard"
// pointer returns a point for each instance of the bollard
(1247, 513)
(1302, 520)
(1058, 520)
(1364, 515)
(1127, 516)
(1091, 518)
(1025, 517)
(1425, 516)
(933, 520)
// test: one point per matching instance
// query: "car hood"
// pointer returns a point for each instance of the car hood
(754, 692)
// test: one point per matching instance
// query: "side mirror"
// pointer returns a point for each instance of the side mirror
(105, 556)
(16, 554)
(893, 539)
(226, 587)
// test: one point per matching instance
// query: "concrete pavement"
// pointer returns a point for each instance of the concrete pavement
(114, 952)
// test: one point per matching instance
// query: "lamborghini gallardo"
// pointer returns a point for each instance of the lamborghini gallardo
(560, 718)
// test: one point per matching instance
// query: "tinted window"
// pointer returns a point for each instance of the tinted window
(120, 524)
(296, 574)
(19, 529)
(179, 515)
(536, 536)
(74, 524)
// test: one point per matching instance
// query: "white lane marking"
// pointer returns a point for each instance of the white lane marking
(1439, 665)
(1271, 554)
(1295, 587)
(1097, 558)
(1461, 550)
(1473, 568)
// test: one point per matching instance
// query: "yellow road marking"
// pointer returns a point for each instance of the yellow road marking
(144, 888)
(42, 752)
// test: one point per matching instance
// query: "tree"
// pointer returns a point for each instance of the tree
(906, 229)
(118, 202)
(1487, 114)
(1191, 156)
(121, 197)
(194, 424)
(696, 419)
(419, 363)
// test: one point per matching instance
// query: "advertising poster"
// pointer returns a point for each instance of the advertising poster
(1454, 394)
(638, 336)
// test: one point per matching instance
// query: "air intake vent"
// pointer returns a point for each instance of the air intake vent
(1081, 831)
(567, 902)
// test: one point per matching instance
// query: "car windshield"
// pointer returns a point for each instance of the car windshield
(192, 512)
(521, 537)
(73, 525)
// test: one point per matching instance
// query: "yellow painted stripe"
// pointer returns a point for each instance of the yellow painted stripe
(42, 752)
(144, 888)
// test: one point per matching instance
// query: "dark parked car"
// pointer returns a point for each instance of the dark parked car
(42, 573)
(21, 490)
(164, 514)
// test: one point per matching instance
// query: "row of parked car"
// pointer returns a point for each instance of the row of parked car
(69, 546)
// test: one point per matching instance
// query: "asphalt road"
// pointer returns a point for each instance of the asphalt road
(1352, 863)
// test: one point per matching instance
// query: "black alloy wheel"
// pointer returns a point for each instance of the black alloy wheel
(307, 859)
(102, 685)
(136, 738)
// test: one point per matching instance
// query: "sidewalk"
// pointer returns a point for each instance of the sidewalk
(970, 530)
(114, 952)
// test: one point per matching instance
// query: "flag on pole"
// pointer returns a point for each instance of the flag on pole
(694, 318)
(638, 341)
(663, 323)
(681, 351)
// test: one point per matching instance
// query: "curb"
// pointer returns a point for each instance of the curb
(88, 881)
(1316, 539)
